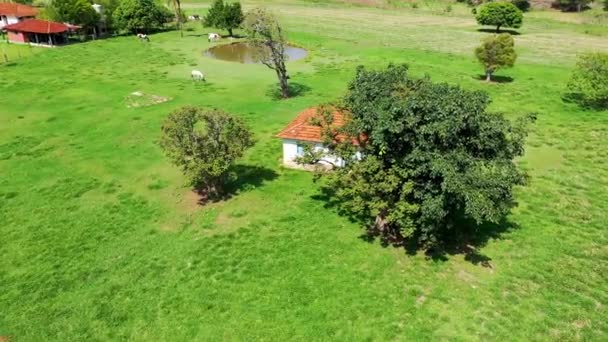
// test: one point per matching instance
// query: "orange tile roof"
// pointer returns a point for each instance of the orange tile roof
(37, 26)
(17, 10)
(301, 129)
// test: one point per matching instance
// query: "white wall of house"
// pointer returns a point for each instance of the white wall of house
(294, 148)
(9, 20)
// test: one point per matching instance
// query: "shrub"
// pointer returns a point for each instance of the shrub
(523, 5)
(140, 15)
(589, 82)
(500, 14)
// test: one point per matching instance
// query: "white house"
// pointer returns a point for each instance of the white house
(300, 132)
(12, 13)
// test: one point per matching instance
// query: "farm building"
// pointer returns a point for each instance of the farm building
(12, 13)
(39, 32)
(301, 131)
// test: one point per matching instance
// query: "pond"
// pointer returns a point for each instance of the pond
(244, 53)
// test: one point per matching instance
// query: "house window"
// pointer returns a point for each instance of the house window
(300, 150)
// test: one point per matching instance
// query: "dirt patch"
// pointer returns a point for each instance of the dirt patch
(4, 339)
(140, 99)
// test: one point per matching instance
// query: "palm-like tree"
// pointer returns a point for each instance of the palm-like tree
(177, 7)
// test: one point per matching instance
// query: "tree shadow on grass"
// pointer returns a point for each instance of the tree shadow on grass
(488, 30)
(247, 177)
(495, 78)
(295, 90)
(466, 238)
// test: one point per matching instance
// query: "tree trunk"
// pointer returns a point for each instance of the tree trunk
(282, 75)
(498, 29)
(488, 76)
(230, 32)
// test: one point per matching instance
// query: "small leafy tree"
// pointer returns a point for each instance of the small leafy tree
(605, 5)
(495, 52)
(432, 158)
(265, 34)
(589, 82)
(140, 15)
(77, 12)
(500, 14)
(224, 16)
(205, 144)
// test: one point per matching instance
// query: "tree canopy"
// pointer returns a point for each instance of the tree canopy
(140, 15)
(432, 157)
(589, 82)
(224, 16)
(77, 12)
(500, 14)
(265, 33)
(205, 144)
(495, 52)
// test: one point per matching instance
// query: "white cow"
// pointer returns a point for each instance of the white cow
(197, 75)
(213, 37)
(142, 36)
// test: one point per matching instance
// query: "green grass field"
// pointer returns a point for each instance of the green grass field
(101, 240)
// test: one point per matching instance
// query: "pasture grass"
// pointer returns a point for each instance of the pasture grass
(101, 240)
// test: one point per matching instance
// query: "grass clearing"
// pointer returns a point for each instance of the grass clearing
(100, 239)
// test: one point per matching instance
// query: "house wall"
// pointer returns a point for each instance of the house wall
(290, 152)
(17, 37)
(8, 20)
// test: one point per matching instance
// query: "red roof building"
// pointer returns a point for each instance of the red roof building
(301, 128)
(37, 31)
(302, 131)
(8, 9)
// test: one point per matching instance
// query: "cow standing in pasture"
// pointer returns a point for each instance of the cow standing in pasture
(197, 75)
(213, 37)
(143, 37)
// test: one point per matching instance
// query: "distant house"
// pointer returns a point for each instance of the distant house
(301, 131)
(40, 32)
(11, 13)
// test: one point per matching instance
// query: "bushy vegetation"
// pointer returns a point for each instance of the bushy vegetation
(589, 82)
(205, 144)
(523, 5)
(496, 52)
(500, 14)
(77, 12)
(572, 5)
(141, 15)
(433, 160)
(224, 16)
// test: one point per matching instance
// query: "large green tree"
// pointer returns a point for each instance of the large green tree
(495, 52)
(205, 144)
(500, 14)
(224, 16)
(265, 34)
(140, 15)
(432, 157)
(77, 12)
(589, 82)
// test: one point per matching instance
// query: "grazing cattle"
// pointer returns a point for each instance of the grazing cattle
(213, 37)
(142, 36)
(194, 17)
(197, 75)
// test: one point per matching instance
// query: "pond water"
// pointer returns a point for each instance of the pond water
(244, 53)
